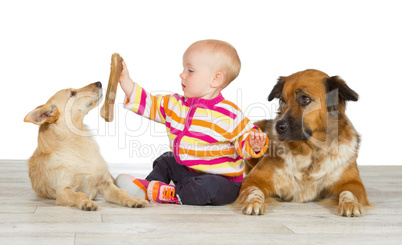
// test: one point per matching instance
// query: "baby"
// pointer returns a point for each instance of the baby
(209, 136)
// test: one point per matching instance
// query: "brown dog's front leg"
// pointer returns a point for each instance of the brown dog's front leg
(352, 194)
(115, 71)
(68, 197)
(257, 187)
(352, 199)
(252, 199)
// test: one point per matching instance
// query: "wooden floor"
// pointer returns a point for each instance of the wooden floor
(28, 219)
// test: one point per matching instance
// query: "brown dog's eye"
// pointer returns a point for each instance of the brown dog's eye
(282, 104)
(73, 93)
(304, 100)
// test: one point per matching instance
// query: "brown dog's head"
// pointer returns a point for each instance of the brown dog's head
(308, 99)
(68, 104)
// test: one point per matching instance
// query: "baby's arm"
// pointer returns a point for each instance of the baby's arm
(257, 141)
(140, 101)
(125, 80)
(251, 142)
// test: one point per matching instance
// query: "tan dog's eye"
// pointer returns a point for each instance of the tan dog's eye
(304, 100)
(73, 93)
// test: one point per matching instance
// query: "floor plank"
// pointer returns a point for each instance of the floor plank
(28, 219)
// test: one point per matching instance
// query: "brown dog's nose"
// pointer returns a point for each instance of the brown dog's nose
(281, 126)
(98, 84)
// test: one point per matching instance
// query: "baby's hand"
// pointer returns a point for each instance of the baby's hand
(124, 76)
(125, 81)
(257, 140)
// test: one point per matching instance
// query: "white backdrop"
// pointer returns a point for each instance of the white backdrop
(48, 45)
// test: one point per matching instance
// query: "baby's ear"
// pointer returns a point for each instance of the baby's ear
(218, 80)
(43, 114)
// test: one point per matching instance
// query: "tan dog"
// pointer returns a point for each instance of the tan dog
(67, 165)
(313, 147)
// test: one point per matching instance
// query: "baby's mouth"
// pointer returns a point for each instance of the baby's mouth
(183, 86)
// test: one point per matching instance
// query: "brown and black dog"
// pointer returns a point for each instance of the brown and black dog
(313, 147)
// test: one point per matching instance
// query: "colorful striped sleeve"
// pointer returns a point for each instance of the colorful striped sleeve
(240, 135)
(146, 104)
(243, 147)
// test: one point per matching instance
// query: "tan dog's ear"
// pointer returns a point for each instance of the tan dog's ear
(277, 90)
(43, 114)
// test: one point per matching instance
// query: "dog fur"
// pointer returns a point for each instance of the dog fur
(313, 147)
(67, 165)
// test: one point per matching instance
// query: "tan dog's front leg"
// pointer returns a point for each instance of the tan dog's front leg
(68, 197)
(113, 194)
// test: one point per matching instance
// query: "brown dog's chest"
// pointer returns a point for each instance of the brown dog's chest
(304, 178)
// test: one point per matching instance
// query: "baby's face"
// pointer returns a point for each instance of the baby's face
(199, 68)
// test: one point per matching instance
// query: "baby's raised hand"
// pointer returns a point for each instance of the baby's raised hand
(257, 140)
(124, 76)
(125, 81)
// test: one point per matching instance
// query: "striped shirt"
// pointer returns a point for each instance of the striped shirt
(207, 136)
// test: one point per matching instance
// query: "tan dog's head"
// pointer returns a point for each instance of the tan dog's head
(67, 106)
(309, 100)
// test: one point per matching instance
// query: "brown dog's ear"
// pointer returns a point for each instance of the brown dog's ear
(345, 93)
(43, 114)
(337, 94)
(277, 90)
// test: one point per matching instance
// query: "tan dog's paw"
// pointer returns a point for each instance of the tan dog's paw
(88, 205)
(349, 206)
(135, 202)
(253, 202)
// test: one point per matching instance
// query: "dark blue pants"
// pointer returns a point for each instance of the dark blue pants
(194, 188)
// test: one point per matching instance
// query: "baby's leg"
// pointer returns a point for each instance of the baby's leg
(134, 187)
(208, 189)
(163, 168)
(194, 188)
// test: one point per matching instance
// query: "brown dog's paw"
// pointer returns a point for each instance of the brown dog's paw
(135, 202)
(253, 208)
(88, 205)
(253, 201)
(349, 206)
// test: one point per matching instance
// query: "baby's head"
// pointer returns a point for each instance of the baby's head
(223, 56)
(209, 66)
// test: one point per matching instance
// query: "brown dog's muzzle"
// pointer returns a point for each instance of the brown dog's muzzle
(291, 129)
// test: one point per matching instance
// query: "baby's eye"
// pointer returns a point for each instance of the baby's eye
(190, 70)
